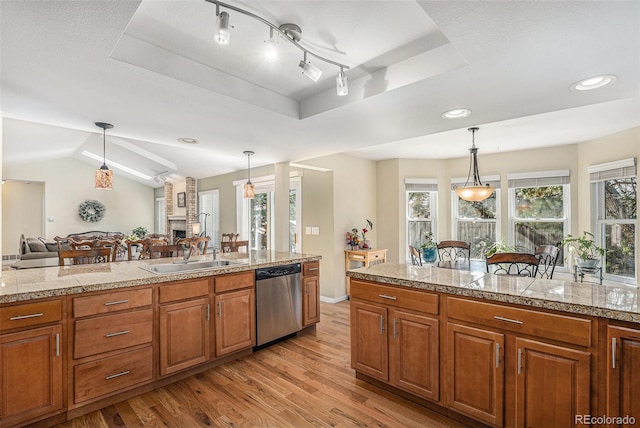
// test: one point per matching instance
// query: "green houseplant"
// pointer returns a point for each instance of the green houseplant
(429, 248)
(584, 250)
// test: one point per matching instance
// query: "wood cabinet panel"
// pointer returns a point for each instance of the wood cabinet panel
(111, 302)
(475, 373)
(622, 380)
(562, 328)
(310, 300)
(30, 314)
(114, 374)
(235, 321)
(184, 290)
(184, 335)
(111, 332)
(553, 384)
(235, 281)
(369, 340)
(421, 301)
(414, 354)
(311, 269)
(30, 373)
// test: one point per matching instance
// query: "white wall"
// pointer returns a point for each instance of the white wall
(22, 212)
(69, 182)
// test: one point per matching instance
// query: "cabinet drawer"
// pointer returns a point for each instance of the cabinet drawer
(184, 290)
(113, 374)
(395, 296)
(311, 269)
(111, 302)
(234, 282)
(111, 332)
(30, 314)
(539, 324)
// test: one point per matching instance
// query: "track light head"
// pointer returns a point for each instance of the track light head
(342, 84)
(223, 34)
(310, 70)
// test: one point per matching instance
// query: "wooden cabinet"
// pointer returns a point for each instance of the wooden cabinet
(475, 373)
(235, 318)
(31, 367)
(107, 330)
(310, 293)
(622, 379)
(392, 342)
(184, 318)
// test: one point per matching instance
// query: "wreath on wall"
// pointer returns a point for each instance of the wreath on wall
(91, 211)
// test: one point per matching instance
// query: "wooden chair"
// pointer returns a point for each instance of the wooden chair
(200, 243)
(548, 257)
(143, 246)
(520, 264)
(454, 251)
(416, 259)
(85, 256)
(161, 251)
(234, 246)
(112, 243)
(230, 237)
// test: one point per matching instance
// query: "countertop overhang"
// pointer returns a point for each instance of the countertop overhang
(27, 284)
(604, 301)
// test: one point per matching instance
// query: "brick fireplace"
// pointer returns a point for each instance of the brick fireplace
(180, 226)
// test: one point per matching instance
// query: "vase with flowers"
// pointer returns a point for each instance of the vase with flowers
(429, 248)
(365, 242)
(353, 240)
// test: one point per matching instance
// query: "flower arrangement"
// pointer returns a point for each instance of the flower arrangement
(583, 247)
(353, 240)
(429, 242)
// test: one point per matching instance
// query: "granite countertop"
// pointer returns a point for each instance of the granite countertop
(26, 284)
(606, 301)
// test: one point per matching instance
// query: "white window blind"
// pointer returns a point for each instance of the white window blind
(491, 180)
(611, 170)
(541, 178)
(421, 185)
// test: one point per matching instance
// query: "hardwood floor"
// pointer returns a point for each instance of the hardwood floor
(305, 381)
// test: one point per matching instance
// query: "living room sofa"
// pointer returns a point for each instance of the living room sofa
(37, 248)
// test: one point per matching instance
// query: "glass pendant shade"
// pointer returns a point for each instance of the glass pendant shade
(104, 179)
(342, 84)
(249, 190)
(473, 190)
(222, 35)
(310, 70)
(195, 228)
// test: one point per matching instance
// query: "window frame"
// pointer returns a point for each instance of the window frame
(421, 186)
(215, 219)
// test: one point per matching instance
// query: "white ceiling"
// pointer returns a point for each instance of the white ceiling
(152, 69)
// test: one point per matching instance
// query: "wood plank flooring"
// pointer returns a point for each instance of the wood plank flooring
(305, 381)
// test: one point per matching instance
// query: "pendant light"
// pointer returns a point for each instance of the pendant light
(104, 176)
(474, 191)
(249, 191)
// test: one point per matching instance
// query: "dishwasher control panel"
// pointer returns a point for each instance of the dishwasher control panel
(276, 271)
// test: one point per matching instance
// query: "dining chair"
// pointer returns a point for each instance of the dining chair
(454, 251)
(85, 256)
(548, 257)
(162, 251)
(521, 264)
(113, 243)
(416, 260)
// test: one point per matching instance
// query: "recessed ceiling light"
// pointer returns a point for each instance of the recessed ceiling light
(594, 82)
(188, 140)
(457, 113)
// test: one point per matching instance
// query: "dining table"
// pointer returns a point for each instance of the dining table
(469, 265)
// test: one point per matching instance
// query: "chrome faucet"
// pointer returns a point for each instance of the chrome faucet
(187, 251)
(215, 252)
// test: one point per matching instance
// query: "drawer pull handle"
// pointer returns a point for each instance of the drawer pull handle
(497, 355)
(113, 376)
(119, 333)
(117, 302)
(219, 310)
(23, 317)
(613, 352)
(313, 269)
(508, 320)
(519, 360)
(384, 296)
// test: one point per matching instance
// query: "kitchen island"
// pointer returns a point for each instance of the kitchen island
(79, 338)
(498, 350)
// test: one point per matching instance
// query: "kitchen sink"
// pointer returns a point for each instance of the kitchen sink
(181, 266)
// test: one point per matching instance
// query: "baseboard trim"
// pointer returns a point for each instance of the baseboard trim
(336, 300)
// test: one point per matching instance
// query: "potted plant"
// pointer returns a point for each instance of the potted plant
(429, 248)
(139, 232)
(499, 247)
(586, 253)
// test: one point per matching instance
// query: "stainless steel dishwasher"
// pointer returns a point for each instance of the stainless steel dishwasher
(278, 302)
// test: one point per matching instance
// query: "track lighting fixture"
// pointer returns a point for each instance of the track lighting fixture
(271, 47)
(289, 32)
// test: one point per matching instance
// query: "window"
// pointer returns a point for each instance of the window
(421, 197)
(160, 220)
(614, 198)
(209, 203)
(477, 222)
(539, 209)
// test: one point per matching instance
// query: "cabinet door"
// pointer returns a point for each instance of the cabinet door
(30, 374)
(552, 384)
(235, 321)
(369, 342)
(475, 373)
(623, 372)
(184, 335)
(414, 354)
(310, 300)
